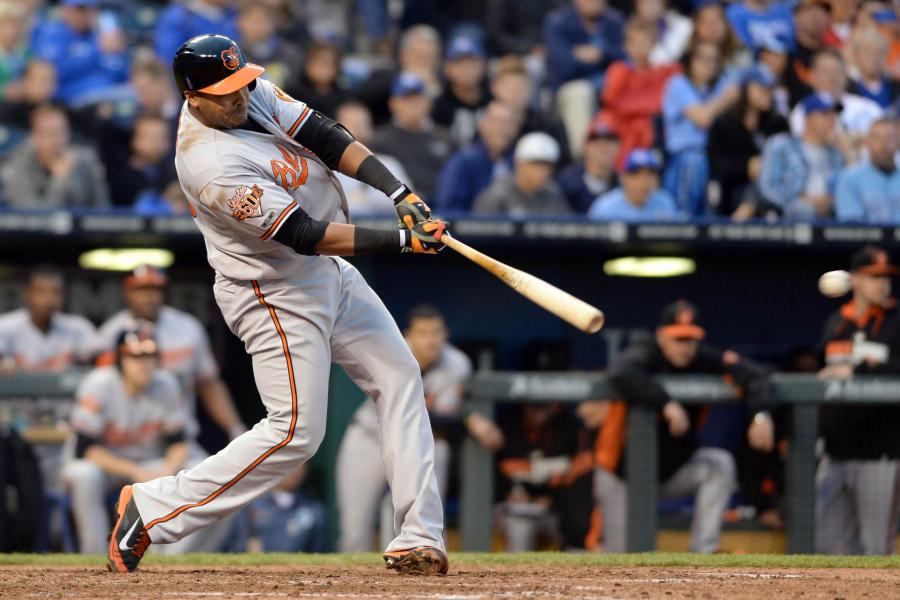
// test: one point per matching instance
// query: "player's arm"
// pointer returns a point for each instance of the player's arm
(339, 150)
(176, 453)
(217, 403)
(108, 461)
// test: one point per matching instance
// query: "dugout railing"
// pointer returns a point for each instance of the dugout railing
(801, 394)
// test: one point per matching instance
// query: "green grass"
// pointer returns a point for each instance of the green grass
(463, 559)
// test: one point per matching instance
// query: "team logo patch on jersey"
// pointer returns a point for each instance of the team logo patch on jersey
(280, 93)
(246, 202)
(230, 58)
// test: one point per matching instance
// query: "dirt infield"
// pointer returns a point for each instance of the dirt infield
(465, 583)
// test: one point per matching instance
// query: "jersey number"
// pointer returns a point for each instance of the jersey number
(291, 172)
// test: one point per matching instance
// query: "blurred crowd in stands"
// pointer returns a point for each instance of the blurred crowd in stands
(634, 110)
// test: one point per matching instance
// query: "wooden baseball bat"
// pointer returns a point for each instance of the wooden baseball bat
(549, 297)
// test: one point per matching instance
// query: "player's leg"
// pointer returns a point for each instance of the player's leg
(360, 486)
(877, 491)
(836, 516)
(611, 493)
(710, 474)
(368, 345)
(88, 486)
(291, 359)
(520, 530)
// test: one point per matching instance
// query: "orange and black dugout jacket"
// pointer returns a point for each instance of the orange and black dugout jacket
(862, 432)
(631, 374)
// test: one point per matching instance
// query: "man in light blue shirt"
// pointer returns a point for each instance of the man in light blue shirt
(638, 197)
(869, 191)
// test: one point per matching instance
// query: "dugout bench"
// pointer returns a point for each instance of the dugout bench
(801, 393)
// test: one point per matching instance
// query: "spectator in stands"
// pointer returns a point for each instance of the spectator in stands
(674, 30)
(810, 25)
(692, 101)
(288, 520)
(512, 85)
(868, 68)
(545, 478)
(37, 87)
(869, 191)
(858, 499)
(153, 92)
(412, 137)
(465, 92)
(181, 21)
(139, 178)
(581, 41)
(48, 171)
(472, 169)
(882, 16)
(638, 197)
(829, 76)
(685, 468)
(841, 14)
(14, 48)
(595, 174)
(529, 189)
(264, 45)
(318, 84)
(363, 199)
(798, 173)
(514, 27)
(710, 25)
(774, 57)
(757, 22)
(736, 141)
(89, 58)
(40, 337)
(633, 90)
(129, 426)
(419, 52)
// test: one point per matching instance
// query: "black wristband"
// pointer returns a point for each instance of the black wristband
(371, 241)
(373, 172)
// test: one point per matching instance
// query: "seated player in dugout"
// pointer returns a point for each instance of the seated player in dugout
(858, 496)
(685, 468)
(129, 426)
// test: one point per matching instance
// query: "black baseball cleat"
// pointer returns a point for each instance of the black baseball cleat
(128, 540)
(424, 560)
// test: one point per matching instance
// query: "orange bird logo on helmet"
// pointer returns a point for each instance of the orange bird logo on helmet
(230, 58)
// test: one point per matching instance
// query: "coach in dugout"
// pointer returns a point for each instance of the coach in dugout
(859, 476)
(129, 426)
(685, 468)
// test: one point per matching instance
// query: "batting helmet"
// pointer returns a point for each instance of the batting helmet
(213, 64)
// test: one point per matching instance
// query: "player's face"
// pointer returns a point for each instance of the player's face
(138, 370)
(426, 339)
(44, 297)
(221, 112)
(679, 352)
(871, 289)
(145, 302)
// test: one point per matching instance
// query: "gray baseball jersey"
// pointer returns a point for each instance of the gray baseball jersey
(70, 340)
(296, 315)
(131, 427)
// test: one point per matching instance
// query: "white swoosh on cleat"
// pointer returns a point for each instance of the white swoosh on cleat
(122, 545)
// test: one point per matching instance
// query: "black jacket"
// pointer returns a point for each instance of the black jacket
(862, 432)
(632, 371)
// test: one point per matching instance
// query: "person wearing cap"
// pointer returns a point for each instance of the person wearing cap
(595, 174)
(798, 173)
(686, 468)
(465, 90)
(869, 78)
(869, 191)
(691, 102)
(128, 425)
(89, 59)
(183, 20)
(529, 189)
(774, 56)
(828, 75)
(858, 499)
(756, 22)
(735, 144)
(810, 25)
(412, 137)
(638, 197)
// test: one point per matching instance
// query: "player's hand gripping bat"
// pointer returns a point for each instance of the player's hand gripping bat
(549, 297)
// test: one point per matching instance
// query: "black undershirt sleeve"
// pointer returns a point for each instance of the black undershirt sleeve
(301, 232)
(325, 137)
(82, 443)
(174, 438)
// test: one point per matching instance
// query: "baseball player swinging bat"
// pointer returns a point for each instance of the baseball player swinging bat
(549, 297)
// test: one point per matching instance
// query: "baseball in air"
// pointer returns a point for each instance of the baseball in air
(834, 284)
